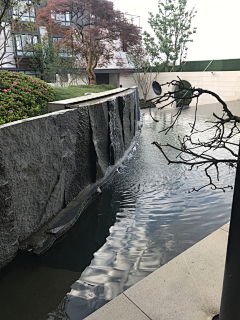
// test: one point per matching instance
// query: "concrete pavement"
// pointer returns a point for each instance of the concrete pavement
(186, 288)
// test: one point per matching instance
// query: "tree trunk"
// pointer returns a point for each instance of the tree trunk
(174, 67)
(92, 77)
(91, 66)
(166, 63)
(145, 97)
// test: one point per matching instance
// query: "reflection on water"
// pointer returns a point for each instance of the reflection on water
(143, 219)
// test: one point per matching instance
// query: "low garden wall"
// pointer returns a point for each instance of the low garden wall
(47, 160)
(225, 83)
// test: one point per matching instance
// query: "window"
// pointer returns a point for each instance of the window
(25, 11)
(63, 18)
(24, 44)
(63, 52)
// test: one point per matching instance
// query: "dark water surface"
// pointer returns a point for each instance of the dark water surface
(143, 218)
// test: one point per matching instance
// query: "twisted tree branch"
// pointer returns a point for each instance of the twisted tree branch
(194, 149)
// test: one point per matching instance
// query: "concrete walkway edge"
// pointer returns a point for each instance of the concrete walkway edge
(188, 287)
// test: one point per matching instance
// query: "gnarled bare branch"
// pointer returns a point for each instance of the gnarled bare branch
(197, 149)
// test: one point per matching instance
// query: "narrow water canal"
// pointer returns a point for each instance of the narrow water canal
(143, 218)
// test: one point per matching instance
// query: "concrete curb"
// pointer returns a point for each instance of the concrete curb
(187, 287)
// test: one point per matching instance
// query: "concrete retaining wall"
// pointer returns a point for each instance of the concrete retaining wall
(47, 160)
(225, 83)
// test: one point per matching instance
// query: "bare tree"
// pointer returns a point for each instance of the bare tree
(79, 73)
(198, 150)
(145, 67)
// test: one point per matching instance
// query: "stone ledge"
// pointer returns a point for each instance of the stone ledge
(68, 103)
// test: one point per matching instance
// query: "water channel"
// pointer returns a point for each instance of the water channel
(144, 218)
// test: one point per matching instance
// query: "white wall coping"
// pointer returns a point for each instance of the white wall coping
(61, 104)
(87, 97)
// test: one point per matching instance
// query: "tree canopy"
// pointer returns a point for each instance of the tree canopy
(172, 28)
(93, 30)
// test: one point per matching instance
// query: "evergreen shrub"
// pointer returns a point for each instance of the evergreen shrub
(22, 96)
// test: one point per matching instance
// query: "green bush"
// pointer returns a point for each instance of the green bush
(22, 96)
(144, 105)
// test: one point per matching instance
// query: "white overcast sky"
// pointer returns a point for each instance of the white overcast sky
(217, 22)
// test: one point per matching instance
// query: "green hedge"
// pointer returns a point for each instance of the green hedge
(215, 65)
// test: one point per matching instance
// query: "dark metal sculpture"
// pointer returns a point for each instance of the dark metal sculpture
(157, 88)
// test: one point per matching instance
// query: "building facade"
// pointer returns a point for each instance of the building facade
(26, 34)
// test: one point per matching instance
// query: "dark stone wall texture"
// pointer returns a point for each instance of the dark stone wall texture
(46, 161)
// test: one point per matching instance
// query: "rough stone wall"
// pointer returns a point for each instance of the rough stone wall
(46, 161)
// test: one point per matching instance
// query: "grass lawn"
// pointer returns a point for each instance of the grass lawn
(61, 93)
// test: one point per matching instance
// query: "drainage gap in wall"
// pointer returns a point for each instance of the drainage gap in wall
(130, 121)
(121, 105)
(110, 145)
(93, 157)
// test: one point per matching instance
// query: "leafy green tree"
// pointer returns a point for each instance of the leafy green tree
(47, 60)
(172, 28)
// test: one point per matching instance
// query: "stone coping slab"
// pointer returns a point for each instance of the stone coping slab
(68, 103)
(188, 287)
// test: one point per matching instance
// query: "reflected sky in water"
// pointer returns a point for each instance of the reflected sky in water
(143, 219)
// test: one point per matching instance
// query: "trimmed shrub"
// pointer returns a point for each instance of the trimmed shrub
(22, 96)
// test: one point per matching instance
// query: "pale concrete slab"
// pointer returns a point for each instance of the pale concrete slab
(187, 287)
(206, 261)
(225, 227)
(88, 97)
(121, 308)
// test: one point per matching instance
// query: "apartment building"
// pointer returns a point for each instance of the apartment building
(16, 56)
(21, 44)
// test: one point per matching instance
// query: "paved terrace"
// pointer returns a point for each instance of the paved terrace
(186, 288)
